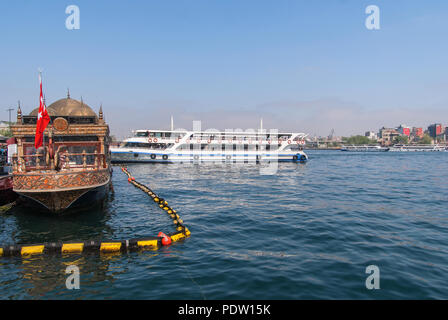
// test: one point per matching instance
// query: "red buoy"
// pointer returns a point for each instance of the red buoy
(165, 239)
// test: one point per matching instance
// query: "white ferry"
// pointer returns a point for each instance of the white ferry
(417, 148)
(201, 146)
(364, 148)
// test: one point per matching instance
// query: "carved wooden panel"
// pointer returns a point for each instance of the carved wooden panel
(60, 181)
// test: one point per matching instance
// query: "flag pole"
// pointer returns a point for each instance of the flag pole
(43, 133)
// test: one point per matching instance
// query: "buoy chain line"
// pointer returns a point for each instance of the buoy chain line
(151, 243)
(182, 230)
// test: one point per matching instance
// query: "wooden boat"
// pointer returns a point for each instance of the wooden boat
(7, 195)
(72, 169)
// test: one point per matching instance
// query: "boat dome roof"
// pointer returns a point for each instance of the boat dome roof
(68, 108)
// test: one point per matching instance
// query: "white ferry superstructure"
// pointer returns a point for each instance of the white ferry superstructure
(417, 148)
(364, 148)
(203, 146)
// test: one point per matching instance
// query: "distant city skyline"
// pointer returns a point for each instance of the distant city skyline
(300, 65)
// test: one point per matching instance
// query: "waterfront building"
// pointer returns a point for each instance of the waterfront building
(417, 132)
(435, 130)
(387, 135)
(404, 130)
(371, 135)
(4, 125)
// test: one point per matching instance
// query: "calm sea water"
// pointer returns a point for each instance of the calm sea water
(308, 232)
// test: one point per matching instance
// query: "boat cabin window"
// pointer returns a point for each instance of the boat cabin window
(137, 145)
(159, 146)
(142, 134)
(154, 134)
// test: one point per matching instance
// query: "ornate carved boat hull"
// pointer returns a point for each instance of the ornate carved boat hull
(60, 191)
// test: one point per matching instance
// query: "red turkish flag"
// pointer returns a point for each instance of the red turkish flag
(42, 119)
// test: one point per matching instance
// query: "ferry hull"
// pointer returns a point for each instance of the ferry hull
(144, 157)
(411, 149)
(364, 149)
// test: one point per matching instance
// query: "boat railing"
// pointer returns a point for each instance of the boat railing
(61, 161)
(222, 139)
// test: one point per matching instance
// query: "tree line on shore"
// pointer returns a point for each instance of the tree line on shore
(363, 140)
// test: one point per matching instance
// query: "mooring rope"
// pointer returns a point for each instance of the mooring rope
(152, 243)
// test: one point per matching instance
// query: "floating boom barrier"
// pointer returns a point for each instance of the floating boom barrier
(151, 243)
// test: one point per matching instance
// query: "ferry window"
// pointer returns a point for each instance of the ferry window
(167, 134)
(246, 147)
(268, 147)
(158, 134)
(142, 134)
(137, 145)
(234, 147)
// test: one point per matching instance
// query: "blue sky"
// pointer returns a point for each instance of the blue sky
(301, 65)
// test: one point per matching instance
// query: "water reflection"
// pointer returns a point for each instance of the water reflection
(32, 226)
